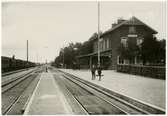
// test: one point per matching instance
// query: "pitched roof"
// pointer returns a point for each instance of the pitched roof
(131, 21)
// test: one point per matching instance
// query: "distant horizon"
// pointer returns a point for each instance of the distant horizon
(51, 25)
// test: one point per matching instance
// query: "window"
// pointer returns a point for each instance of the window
(107, 43)
(140, 41)
(124, 41)
(104, 44)
(132, 30)
(101, 45)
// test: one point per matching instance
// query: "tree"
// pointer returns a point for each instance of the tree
(67, 55)
(86, 48)
(161, 52)
(149, 50)
(70, 52)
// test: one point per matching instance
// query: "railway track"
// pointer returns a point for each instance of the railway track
(13, 72)
(13, 89)
(98, 100)
(10, 82)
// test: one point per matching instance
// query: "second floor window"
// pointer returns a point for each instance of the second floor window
(124, 41)
(139, 41)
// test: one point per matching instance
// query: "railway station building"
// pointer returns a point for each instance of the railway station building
(133, 30)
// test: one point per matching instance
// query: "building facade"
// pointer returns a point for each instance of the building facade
(124, 31)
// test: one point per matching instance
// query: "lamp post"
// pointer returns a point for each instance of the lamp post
(27, 51)
(98, 33)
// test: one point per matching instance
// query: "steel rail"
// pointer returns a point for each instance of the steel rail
(23, 79)
(12, 72)
(79, 84)
(6, 85)
(148, 109)
(82, 110)
(115, 108)
(14, 79)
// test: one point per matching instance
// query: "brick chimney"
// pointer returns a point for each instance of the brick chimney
(113, 25)
(120, 20)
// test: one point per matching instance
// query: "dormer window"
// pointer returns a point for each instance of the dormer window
(132, 30)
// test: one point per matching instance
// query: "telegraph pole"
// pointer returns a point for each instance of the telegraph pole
(63, 57)
(98, 33)
(27, 51)
(27, 55)
(37, 57)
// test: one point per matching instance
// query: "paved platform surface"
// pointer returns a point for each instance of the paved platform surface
(47, 98)
(147, 90)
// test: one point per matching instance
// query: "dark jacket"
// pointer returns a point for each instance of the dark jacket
(99, 70)
(93, 69)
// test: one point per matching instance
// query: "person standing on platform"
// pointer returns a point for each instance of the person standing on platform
(99, 70)
(46, 69)
(93, 69)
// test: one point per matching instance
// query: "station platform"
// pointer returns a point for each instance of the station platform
(47, 98)
(148, 90)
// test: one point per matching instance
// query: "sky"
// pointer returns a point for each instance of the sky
(49, 26)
